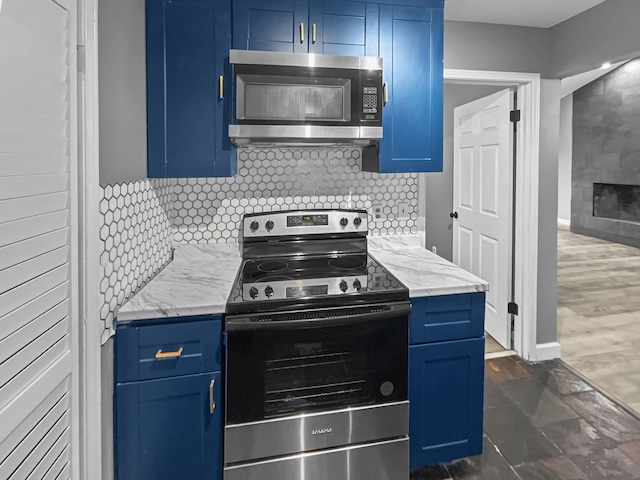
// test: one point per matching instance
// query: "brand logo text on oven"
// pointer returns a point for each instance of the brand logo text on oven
(321, 431)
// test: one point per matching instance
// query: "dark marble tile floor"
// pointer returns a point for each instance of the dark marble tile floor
(542, 422)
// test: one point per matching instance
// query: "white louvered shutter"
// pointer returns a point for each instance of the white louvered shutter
(38, 218)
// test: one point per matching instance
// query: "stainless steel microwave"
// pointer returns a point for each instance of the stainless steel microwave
(305, 98)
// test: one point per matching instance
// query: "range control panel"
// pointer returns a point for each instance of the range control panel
(307, 222)
(281, 289)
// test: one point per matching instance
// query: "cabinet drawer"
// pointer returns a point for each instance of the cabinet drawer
(157, 351)
(446, 317)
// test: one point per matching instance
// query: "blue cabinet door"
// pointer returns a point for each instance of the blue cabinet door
(165, 429)
(341, 27)
(188, 105)
(446, 382)
(411, 45)
(318, 26)
(274, 26)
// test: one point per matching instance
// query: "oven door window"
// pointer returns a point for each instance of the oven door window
(280, 373)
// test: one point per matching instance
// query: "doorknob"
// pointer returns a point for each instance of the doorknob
(453, 214)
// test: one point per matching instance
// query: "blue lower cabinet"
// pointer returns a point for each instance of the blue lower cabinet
(170, 428)
(447, 317)
(446, 383)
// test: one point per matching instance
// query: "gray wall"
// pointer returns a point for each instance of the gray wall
(547, 330)
(439, 196)
(122, 84)
(483, 46)
(564, 158)
(606, 33)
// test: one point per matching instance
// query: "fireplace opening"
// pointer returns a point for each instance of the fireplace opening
(618, 202)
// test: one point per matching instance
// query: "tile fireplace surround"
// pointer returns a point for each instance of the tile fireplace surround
(606, 149)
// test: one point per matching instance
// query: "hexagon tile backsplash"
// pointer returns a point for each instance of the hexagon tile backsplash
(210, 209)
(136, 240)
(143, 219)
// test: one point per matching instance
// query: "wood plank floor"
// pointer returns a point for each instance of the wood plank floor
(599, 313)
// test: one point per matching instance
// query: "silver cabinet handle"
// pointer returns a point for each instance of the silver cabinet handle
(212, 405)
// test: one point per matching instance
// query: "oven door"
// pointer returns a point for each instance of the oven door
(315, 379)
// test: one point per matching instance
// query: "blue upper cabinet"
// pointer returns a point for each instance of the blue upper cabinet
(344, 28)
(318, 26)
(189, 88)
(274, 26)
(411, 45)
(409, 36)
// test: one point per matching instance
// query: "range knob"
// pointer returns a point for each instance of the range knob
(269, 225)
(253, 291)
(268, 291)
(343, 286)
(357, 221)
(357, 285)
(344, 222)
(254, 226)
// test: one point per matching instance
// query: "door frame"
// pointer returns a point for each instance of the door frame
(527, 198)
(92, 452)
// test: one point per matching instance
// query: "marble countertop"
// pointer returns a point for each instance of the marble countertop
(199, 279)
(197, 282)
(424, 273)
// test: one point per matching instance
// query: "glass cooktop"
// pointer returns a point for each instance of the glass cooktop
(301, 282)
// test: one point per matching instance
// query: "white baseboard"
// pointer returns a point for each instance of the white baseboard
(562, 221)
(547, 351)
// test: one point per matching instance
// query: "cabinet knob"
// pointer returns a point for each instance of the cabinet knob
(314, 33)
(302, 33)
(385, 89)
(221, 81)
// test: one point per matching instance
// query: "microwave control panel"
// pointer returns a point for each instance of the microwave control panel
(370, 103)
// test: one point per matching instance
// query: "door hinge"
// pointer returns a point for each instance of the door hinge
(514, 116)
(512, 308)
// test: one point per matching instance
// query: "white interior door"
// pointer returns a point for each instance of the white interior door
(482, 193)
(38, 239)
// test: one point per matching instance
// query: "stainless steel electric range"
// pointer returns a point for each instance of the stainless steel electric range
(316, 354)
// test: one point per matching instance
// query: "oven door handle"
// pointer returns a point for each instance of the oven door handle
(256, 322)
